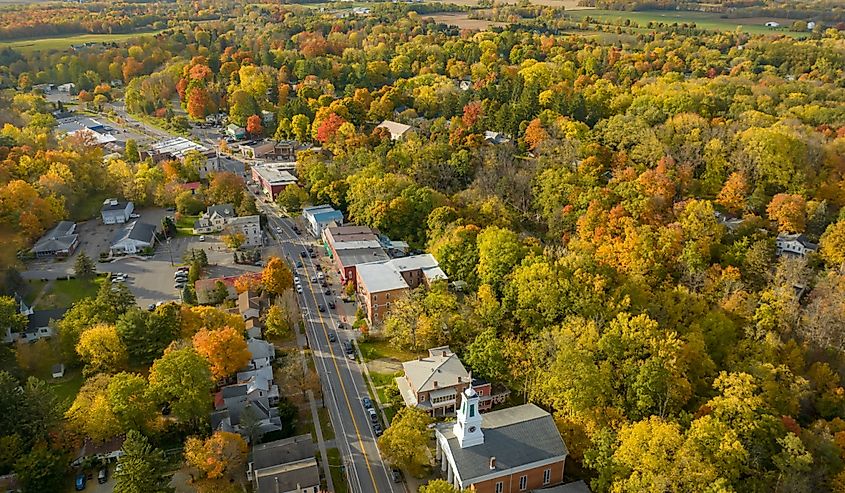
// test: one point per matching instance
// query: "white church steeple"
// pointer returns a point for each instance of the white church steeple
(468, 427)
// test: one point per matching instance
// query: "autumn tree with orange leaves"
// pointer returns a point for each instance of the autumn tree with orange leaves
(225, 349)
(789, 211)
(734, 194)
(254, 126)
(218, 455)
(247, 282)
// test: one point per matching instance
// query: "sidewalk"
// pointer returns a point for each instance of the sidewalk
(301, 342)
(321, 443)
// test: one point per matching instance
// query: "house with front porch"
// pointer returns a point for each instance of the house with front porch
(435, 383)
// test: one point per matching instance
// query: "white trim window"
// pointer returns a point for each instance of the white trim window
(547, 476)
(500, 486)
(523, 482)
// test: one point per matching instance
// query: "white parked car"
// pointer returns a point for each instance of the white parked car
(202, 238)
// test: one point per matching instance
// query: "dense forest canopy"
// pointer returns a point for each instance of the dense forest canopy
(676, 353)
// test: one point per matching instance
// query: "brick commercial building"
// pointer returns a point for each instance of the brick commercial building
(381, 283)
(349, 246)
(274, 177)
(507, 451)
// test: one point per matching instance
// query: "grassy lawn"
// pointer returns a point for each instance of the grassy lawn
(703, 20)
(63, 293)
(338, 476)
(377, 349)
(185, 225)
(34, 286)
(62, 42)
(88, 207)
(382, 379)
(325, 423)
(67, 387)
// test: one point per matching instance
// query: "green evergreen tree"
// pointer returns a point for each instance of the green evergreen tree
(143, 468)
(84, 267)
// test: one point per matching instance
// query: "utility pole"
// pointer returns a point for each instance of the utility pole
(170, 251)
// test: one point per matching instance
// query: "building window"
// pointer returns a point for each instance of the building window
(500, 486)
(547, 476)
(472, 410)
(523, 483)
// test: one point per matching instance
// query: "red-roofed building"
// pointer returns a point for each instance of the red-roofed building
(204, 287)
(193, 186)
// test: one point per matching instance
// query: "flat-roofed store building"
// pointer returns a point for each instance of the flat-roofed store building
(274, 177)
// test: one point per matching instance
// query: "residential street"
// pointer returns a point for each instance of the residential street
(342, 379)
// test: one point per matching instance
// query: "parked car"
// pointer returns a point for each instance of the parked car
(321, 308)
(331, 305)
(202, 237)
(313, 255)
(313, 278)
(328, 292)
(298, 264)
(341, 326)
(332, 337)
(310, 249)
(367, 402)
(103, 475)
(80, 482)
(299, 289)
(373, 415)
(303, 254)
(377, 429)
(184, 268)
(319, 268)
(151, 307)
(396, 475)
(134, 216)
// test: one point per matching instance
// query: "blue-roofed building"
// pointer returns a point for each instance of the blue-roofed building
(320, 217)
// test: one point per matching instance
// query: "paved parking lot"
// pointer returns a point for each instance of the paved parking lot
(150, 278)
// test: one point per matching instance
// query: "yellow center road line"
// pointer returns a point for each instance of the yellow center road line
(345, 394)
(337, 369)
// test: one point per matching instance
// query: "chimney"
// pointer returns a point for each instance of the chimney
(459, 379)
(492, 463)
(444, 354)
(435, 384)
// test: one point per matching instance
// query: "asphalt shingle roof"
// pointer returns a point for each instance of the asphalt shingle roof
(515, 436)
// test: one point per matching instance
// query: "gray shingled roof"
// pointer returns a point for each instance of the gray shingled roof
(41, 318)
(136, 231)
(225, 210)
(282, 451)
(288, 477)
(445, 370)
(61, 237)
(515, 436)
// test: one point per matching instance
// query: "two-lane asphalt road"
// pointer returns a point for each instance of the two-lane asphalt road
(342, 378)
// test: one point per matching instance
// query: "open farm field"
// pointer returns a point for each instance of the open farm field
(714, 22)
(62, 42)
(464, 22)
